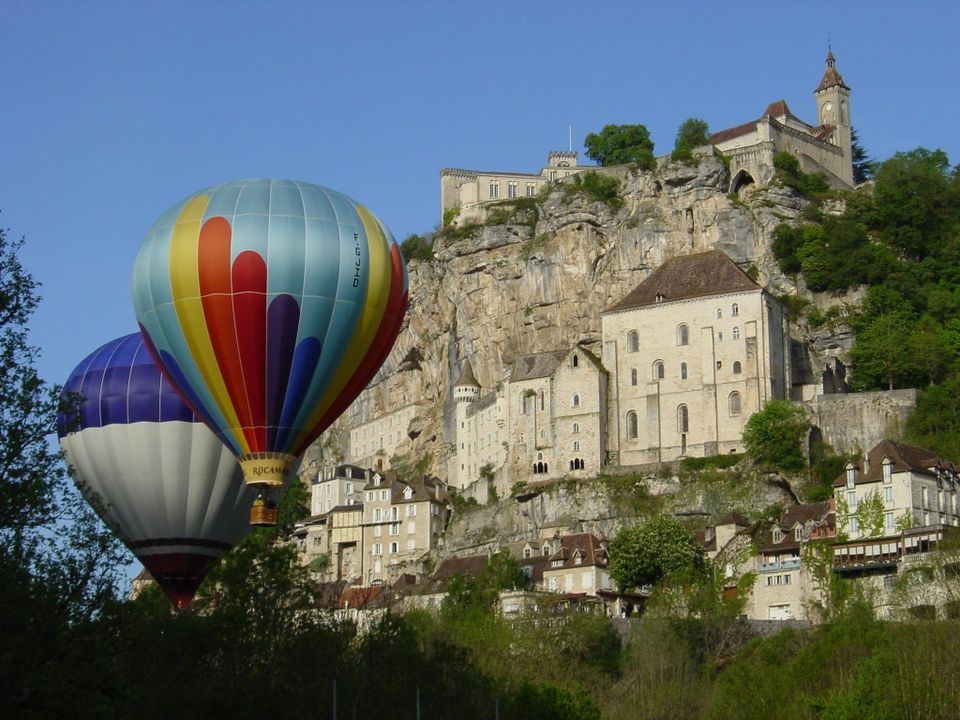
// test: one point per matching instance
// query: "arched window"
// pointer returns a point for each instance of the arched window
(575, 401)
(737, 367)
(539, 456)
(571, 465)
(633, 426)
(575, 362)
(633, 376)
(683, 371)
(736, 333)
(683, 419)
(683, 335)
(720, 337)
(576, 446)
(658, 372)
(733, 402)
(576, 428)
(541, 400)
(633, 341)
(735, 310)
(523, 403)
(719, 313)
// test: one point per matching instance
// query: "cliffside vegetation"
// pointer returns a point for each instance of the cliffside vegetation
(900, 238)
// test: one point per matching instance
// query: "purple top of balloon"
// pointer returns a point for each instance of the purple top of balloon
(119, 383)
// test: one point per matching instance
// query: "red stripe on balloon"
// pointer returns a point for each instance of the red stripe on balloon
(250, 314)
(178, 574)
(213, 259)
(378, 351)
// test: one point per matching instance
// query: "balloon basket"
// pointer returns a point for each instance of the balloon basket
(262, 516)
(266, 468)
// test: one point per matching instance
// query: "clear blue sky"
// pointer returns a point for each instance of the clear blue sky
(113, 111)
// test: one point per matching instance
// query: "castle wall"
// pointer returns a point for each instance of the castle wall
(858, 421)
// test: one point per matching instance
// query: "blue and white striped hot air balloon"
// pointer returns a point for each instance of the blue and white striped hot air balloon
(156, 475)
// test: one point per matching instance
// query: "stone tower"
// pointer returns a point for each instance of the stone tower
(833, 108)
(466, 391)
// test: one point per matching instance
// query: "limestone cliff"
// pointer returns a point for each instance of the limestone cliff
(522, 277)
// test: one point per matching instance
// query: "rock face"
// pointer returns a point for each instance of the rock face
(535, 277)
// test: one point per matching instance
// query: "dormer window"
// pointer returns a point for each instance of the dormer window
(558, 563)
(798, 533)
(408, 493)
(659, 297)
(887, 470)
(777, 535)
(376, 478)
(851, 475)
(545, 550)
(578, 559)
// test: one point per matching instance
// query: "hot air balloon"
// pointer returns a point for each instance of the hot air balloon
(269, 304)
(156, 475)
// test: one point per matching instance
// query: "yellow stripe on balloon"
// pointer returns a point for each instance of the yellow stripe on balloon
(185, 286)
(374, 307)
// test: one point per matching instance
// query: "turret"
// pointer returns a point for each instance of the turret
(466, 389)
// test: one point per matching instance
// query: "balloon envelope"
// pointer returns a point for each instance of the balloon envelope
(158, 477)
(270, 304)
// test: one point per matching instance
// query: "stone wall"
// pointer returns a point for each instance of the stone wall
(858, 421)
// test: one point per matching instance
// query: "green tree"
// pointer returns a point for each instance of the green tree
(417, 247)
(620, 145)
(879, 355)
(862, 164)
(644, 554)
(691, 134)
(502, 572)
(935, 423)
(773, 437)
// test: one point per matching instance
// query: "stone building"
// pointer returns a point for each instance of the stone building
(577, 565)
(402, 523)
(910, 486)
(823, 147)
(464, 190)
(693, 351)
(336, 486)
(373, 443)
(481, 429)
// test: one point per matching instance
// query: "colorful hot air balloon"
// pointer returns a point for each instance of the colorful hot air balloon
(154, 472)
(269, 304)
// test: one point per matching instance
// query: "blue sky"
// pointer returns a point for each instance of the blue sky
(113, 111)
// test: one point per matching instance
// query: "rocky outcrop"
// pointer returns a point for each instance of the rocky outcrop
(536, 277)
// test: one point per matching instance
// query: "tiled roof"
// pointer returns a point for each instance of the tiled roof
(777, 109)
(587, 545)
(689, 276)
(539, 365)
(830, 76)
(903, 458)
(734, 519)
(805, 513)
(361, 597)
(734, 132)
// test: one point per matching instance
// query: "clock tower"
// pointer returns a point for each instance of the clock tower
(833, 108)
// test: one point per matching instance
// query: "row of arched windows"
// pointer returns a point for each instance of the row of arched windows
(734, 408)
(734, 311)
(683, 332)
(659, 371)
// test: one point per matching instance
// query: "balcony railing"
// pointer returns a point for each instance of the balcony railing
(786, 564)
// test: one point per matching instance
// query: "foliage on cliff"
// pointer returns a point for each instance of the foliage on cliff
(621, 145)
(645, 554)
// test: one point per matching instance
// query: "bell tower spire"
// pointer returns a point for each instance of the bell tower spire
(833, 108)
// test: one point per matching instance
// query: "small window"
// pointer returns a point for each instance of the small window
(494, 188)
(633, 341)
(633, 426)
(683, 419)
(575, 401)
(735, 310)
(798, 533)
(851, 474)
(683, 371)
(658, 370)
(683, 335)
(733, 402)
(575, 362)
(633, 376)
(576, 428)
(576, 446)
(737, 367)
(887, 471)
(719, 313)
(719, 337)
(736, 333)
(542, 406)
(854, 526)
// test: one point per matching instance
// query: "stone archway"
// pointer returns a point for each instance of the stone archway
(741, 180)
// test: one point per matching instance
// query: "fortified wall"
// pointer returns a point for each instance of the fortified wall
(858, 421)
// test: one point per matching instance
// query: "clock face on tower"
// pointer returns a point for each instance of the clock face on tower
(828, 106)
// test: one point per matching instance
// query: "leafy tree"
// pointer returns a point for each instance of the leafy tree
(417, 247)
(916, 202)
(935, 423)
(879, 357)
(773, 437)
(691, 134)
(862, 165)
(502, 572)
(790, 174)
(644, 554)
(620, 145)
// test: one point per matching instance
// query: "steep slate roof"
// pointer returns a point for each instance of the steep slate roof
(466, 375)
(805, 513)
(689, 276)
(903, 457)
(818, 513)
(539, 365)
